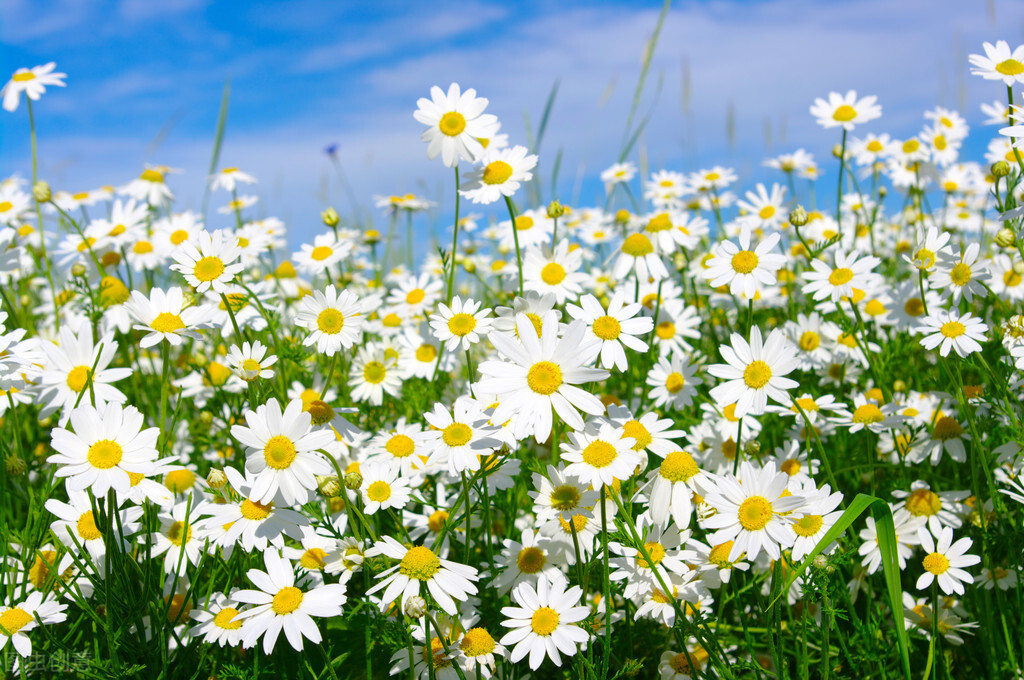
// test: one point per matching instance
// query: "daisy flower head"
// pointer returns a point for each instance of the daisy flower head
(535, 557)
(218, 623)
(374, 373)
(752, 511)
(382, 487)
(250, 361)
(999, 63)
(459, 438)
(460, 325)
(501, 172)
(335, 318)
(638, 254)
(19, 618)
(957, 276)
(557, 273)
(682, 665)
(618, 173)
(419, 566)
(951, 330)
(849, 272)
(104, 448)
(744, 269)
(544, 622)
(674, 381)
(560, 496)
(845, 111)
(455, 122)
(754, 372)
(944, 561)
(542, 374)
(228, 179)
(77, 365)
(619, 325)
(164, 316)
(281, 606)
(672, 486)
(819, 515)
(31, 81)
(600, 454)
(282, 452)
(210, 263)
(317, 258)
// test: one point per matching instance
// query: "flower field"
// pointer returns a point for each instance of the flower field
(707, 429)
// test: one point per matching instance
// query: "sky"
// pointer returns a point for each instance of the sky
(145, 82)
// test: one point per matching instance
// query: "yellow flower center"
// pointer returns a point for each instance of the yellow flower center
(330, 321)
(840, 276)
(936, 563)
(23, 77)
(960, 274)
(279, 452)
(660, 222)
(719, 555)
(452, 123)
(947, 428)
(637, 245)
(552, 274)
(208, 269)
(415, 296)
(678, 466)
(755, 513)
(544, 621)
(477, 642)
(524, 222)
(256, 511)
(674, 382)
(225, 619)
(808, 525)
(112, 291)
(844, 113)
(321, 253)
(378, 492)
(165, 322)
(544, 377)
(689, 665)
(152, 175)
(867, 414)
(400, 446)
(744, 261)
(218, 373)
(16, 618)
(78, 377)
(666, 330)
(767, 212)
(923, 503)
(911, 145)
(462, 324)
(757, 374)
(952, 329)
(809, 341)
(179, 533)
(436, 520)
(457, 434)
(179, 481)
(1012, 278)
(636, 430)
(497, 172)
(531, 560)
(656, 551)
(420, 563)
(86, 527)
(607, 327)
(790, 466)
(287, 600)
(914, 307)
(374, 372)
(565, 497)
(426, 353)
(105, 454)
(599, 454)
(1009, 67)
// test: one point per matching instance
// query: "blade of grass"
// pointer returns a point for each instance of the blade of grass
(648, 57)
(222, 119)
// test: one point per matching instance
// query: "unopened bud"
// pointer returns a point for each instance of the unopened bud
(622, 216)
(41, 190)
(899, 386)
(752, 447)
(206, 418)
(78, 270)
(328, 486)
(837, 150)
(353, 480)
(372, 236)
(555, 209)
(330, 217)
(415, 607)
(469, 265)
(882, 192)
(216, 479)
(798, 216)
(15, 466)
(1000, 169)
(1005, 238)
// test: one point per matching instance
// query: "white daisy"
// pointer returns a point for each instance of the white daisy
(501, 172)
(544, 623)
(446, 581)
(335, 318)
(612, 328)
(455, 122)
(949, 330)
(944, 561)
(754, 372)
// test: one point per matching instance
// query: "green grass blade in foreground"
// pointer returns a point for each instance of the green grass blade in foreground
(886, 533)
(222, 119)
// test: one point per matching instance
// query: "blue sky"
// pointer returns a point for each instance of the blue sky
(145, 81)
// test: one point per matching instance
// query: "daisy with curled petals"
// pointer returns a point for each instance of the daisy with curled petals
(500, 174)
(218, 623)
(335, 319)
(282, 451)
(382, 487)
(163, 316)
(672, 487)
(460, 437)
(31, 81)
(638, 254)
(542, 374)
(612, 328)
(745, 270)
(754, 372)
(19, 618)
(280, 605)
(211, 262)
(845, 110)
(949, 330)
(544, 623)
(455, 122)
(944, 561)
(250, 361)
(838, 282)
(251, 524)
(998, 63)
(106, 446)
(600, 455)
(461, 324)
(752, 511)
(76, 528)
(674, 381)
(446, 581)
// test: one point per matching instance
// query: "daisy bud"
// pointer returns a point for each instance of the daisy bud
(899, 386)
(320, 412)
(798, 216)
(330, 217)
(1000, 169)
(78, 270)
(216, 479)
(622, 216)
(837, 151)
(206, 418)
(556, 210)
(883, 192)
(469, 266)
(415, 607)
(372, 236)
(41, 190)
(1005, 238)
(353, 481)
(15, 466)
(329, 486)
(752, 448)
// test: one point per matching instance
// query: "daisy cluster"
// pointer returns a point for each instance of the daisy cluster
(625, 438)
